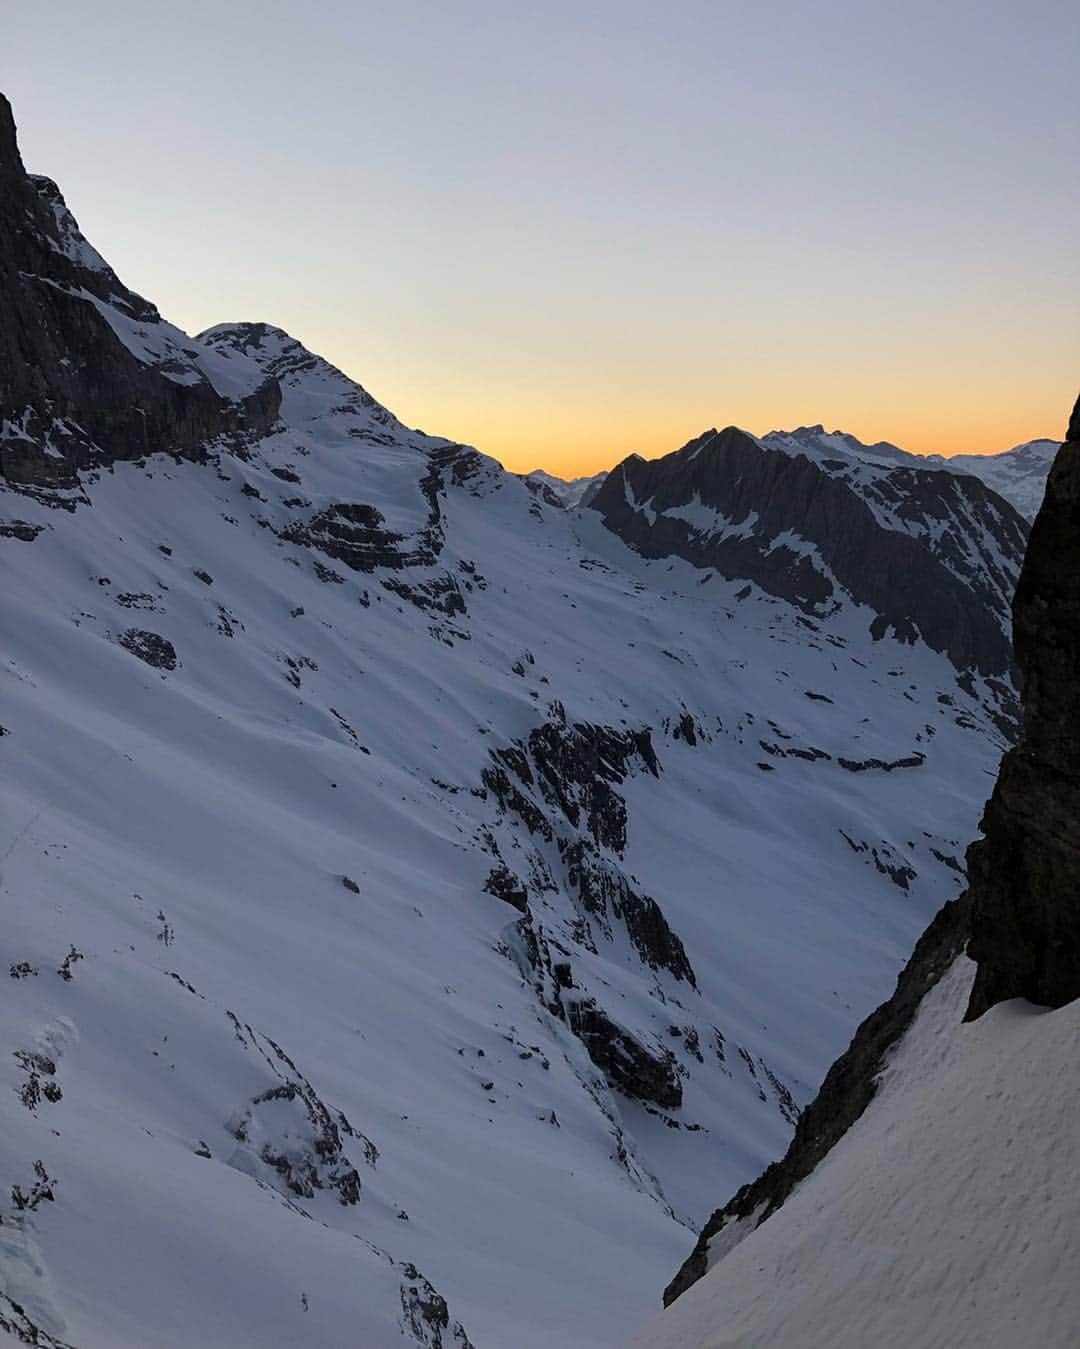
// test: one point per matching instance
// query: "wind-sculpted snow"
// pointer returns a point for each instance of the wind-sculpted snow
(411, 891)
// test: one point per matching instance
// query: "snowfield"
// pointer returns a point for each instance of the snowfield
(948, 1214)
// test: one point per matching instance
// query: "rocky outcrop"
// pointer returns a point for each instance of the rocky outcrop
(352, 532)
(627, 1064)
(1025, 872)
(73, 394)
(425, 1317)
(17, 1323)
(561, 782)
(1019, 919)
(150, 647)
(802, 531)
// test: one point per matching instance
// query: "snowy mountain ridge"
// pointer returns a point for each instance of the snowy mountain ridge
(413, 887)
(566, 492)
(914, 545)
(1018, 475)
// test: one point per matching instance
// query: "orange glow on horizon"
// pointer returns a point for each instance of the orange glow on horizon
(574, 437)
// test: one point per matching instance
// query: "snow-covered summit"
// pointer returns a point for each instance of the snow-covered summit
(820, 444)
(1019, 474)
(568, 492)
(315, 389)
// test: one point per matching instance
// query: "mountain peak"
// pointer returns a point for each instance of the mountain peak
(247, 333)
(10, 160)
(763, 510)
(89, 371)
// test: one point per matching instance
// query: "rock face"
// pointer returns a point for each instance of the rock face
(622, 1058)
(805, 527)
(1019, 919)
(1025, 873)
(89, 372)
(561, 783)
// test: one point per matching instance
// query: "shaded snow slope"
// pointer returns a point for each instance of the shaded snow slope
(1019, 474)
(947, 1215)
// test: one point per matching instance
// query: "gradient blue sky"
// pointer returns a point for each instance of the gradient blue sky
(563, 232)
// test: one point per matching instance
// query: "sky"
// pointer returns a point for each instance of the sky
(564, 232)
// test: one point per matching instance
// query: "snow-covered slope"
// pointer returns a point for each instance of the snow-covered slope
(1019, 474)
(404, 878)
(949, 1214)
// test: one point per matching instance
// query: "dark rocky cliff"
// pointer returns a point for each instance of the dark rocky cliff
(1020, 917)
(1025, 873)
(72, 394)
(913, 575)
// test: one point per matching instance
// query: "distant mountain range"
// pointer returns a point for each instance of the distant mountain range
(561, 491)
(1018, 475)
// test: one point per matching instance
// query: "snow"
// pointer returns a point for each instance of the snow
(568, 490)
(1019, 474)
(182, 359)
(188, 832)
(949, 1213)
(644, 507)
(71, 242)
(709, 521)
